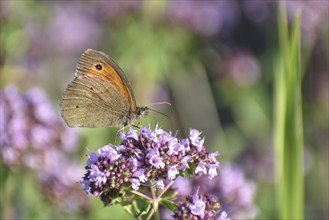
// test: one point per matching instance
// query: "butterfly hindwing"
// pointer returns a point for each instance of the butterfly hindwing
(89, 101)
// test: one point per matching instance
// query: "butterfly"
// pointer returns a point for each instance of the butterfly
(100, 94)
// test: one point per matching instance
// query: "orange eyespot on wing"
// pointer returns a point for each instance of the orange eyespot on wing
(96, 63)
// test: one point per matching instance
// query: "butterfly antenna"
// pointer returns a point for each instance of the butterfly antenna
(160, 103)
(159, 113)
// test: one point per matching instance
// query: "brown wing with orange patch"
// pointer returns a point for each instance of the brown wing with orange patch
(96, 63)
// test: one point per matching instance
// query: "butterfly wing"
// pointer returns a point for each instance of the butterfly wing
(108, 70)
(90, 101)
(100, 94)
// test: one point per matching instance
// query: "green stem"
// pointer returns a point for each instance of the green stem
(154, 200)
(141, 195)
(156, 210)
(150, 214)
(155, 205)
(165, 189)
(153, 193)
(135, 206)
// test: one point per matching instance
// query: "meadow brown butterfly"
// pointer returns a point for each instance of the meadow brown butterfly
(99, 95)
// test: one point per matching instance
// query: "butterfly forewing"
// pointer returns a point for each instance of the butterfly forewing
(96, 63)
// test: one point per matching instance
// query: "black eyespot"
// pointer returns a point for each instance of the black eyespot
(77, 106)
(91, 88)
(99, 66)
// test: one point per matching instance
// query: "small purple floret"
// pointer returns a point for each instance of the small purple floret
(198, 206)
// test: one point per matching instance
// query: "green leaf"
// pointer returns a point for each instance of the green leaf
(169, 204)
(288, 130)
(170, 194)
(145, 209)
(130, 209)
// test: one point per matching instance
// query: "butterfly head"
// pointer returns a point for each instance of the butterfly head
(141, 112)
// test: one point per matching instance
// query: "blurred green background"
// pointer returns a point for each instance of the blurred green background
(212, 60)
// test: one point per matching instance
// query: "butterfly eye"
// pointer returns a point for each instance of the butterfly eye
(99, 66)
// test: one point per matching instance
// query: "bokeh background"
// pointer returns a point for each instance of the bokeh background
(212, 60)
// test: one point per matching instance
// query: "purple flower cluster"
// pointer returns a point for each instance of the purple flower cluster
(146, 157)
(234, 191)
(198, 207)
(34, 136)
(30, 127)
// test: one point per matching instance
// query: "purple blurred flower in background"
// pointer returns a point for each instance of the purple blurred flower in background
(204, 17)
(74, 27)
(243, 67)
(33, 135)
(29, 123)
(117, 9)
(314, 18)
